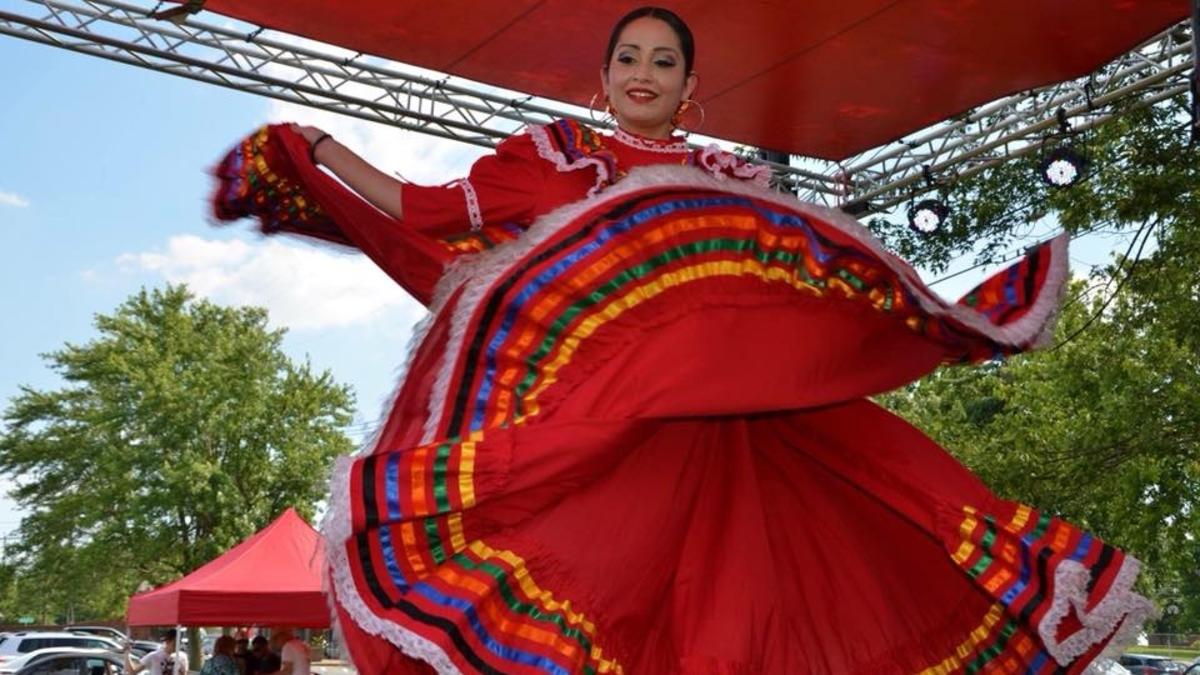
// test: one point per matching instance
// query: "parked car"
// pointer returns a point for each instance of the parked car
(333, 647)
(138, 648)
(25, 642)
(59, 660)
(103, 631)
(143, 647)
(1109, 667)
(1140, 664)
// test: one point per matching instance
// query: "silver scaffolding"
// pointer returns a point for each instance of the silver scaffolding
(211, 48)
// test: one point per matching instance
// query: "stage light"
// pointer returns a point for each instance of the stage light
(928, 216)
(1063, 167)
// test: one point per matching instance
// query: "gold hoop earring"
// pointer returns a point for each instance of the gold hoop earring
(609, 114)
(684, 106)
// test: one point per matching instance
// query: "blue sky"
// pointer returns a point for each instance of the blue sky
(103, 191)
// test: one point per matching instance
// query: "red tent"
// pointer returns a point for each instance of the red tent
(272, 578)
(825, 79)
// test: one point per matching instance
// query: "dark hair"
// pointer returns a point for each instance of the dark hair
(168, 634)
(686, 41)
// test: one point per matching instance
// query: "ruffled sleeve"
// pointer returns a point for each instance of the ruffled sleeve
(501, 188)
(268, 176)
(723, 164)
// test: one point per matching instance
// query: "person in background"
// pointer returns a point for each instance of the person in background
(165, 660)
(261, 659)
(222, 661)
(241, 651)
(293, 653)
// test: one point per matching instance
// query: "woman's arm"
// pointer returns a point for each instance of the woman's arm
(378, 188)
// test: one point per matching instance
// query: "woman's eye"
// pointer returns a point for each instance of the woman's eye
(625, 59)
(665, 63)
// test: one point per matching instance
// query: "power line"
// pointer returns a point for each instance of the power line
(1014, 255)
(1149, 228)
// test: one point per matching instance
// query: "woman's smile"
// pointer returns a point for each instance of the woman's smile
(639, 95)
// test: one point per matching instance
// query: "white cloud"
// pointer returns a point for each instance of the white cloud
(303, 287)
(13, 199)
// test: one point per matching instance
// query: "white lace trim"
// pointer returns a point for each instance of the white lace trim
(721, 163)
(337, 528)
(441, 383)
(547, 151)
(675, 147)
(1121, 607)
(473, 212)
(1125, 635)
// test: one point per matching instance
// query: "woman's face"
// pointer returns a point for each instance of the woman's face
(645, 80)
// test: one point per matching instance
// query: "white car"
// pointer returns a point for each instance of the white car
(54, 660)
(18, 644)
(102, 631)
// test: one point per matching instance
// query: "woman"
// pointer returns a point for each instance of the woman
(633, 436)
(241, 655)
(222, 661)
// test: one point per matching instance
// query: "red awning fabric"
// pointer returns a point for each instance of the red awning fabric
(271, 579)
(824, 79)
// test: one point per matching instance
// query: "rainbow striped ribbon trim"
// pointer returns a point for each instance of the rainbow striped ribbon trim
(422, 558)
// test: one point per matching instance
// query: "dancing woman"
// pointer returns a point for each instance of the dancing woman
(633, 434)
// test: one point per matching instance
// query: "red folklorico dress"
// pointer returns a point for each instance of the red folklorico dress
(633, 435)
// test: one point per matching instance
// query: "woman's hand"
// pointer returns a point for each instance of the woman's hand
(315, 138)
(310, 134)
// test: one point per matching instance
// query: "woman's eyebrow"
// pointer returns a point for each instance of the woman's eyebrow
(671, 50)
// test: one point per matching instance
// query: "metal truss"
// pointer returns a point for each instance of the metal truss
(1155, 71)
(211, 48)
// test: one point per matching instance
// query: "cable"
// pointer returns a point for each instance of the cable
(1014, 255)
(1117, 291)
(1128, 251)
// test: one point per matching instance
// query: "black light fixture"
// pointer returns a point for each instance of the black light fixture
(928, 216)
(1063, 167)
(859, 208)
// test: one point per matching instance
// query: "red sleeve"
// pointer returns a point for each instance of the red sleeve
(503, 187)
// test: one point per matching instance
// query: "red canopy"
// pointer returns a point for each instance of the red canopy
(826, 79)
(272, 578)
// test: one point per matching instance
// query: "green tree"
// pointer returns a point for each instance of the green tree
(1103, 429)
(180, 429)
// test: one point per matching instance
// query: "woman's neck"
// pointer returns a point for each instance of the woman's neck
(671, 144)
(661, 133)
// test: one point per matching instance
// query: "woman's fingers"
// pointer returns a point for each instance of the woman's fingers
(310, 134)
